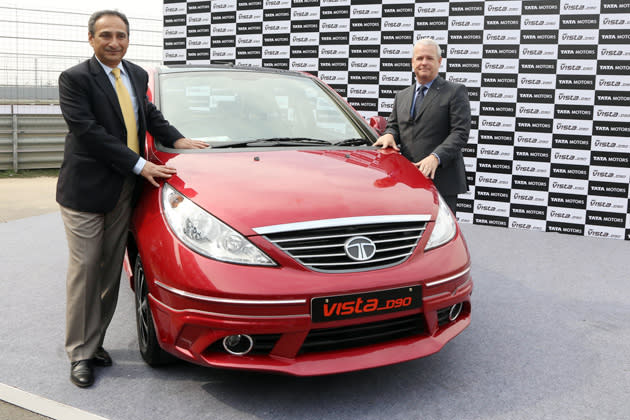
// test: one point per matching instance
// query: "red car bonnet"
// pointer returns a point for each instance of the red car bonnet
(259, 188)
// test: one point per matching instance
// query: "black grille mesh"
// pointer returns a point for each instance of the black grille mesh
(363, 334)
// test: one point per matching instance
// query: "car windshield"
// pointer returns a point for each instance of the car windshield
(235, 107)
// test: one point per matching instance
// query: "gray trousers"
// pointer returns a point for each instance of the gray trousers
(96, 245)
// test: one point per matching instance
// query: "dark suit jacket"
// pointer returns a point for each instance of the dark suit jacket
(96, 157)
(442, 127)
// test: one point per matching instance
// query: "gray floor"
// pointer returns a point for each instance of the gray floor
(550, 339)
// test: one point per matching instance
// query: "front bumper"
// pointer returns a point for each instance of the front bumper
(192, 327)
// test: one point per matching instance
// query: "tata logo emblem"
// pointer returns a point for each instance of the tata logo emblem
(360, 248)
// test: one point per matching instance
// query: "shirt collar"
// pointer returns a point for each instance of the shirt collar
(428, 85)
(108, 69)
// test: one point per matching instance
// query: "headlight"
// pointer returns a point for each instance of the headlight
(206, 234)
(445, 227)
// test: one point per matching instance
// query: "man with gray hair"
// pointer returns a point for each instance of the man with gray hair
(430, 120)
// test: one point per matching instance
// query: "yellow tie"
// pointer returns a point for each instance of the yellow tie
(127, 111)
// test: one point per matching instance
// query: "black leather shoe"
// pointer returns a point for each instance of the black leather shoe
(81, 373)
(101, 357)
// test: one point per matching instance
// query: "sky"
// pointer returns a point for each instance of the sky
(132, 8)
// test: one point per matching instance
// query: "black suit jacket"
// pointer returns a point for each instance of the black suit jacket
(96, 157)
(442, 126)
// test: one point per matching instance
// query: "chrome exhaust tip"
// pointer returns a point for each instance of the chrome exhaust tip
(456, 309)
(238, 345)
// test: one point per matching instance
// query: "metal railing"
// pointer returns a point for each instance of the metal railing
(31, 137)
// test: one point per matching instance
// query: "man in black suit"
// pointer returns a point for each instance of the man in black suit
(102, 157)
(431, 121)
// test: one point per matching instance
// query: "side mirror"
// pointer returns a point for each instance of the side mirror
(378, 123)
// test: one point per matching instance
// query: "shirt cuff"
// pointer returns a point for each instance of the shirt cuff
(438, 158)
(139, 165)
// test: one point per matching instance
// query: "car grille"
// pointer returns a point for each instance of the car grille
(363, 334)
(322, 249)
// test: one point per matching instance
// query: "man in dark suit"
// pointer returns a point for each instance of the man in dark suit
(431, 122)
(104, 103)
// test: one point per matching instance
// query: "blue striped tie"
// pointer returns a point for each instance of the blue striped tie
(415, 107)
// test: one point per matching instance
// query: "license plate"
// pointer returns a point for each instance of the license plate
(358, 305)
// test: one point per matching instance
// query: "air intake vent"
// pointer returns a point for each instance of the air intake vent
(363, 334)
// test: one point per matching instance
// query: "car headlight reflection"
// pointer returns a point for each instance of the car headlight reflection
(206, 234)
(445, 227)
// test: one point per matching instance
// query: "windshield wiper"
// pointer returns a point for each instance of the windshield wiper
(353, 142)
(273, 141)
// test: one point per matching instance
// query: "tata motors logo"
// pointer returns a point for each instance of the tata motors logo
(360, 248)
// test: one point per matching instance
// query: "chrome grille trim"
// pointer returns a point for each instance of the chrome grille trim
(382, 241)
(319, 245)
(394, 248)
(345, 221)
(318, 255)
(342, 235)
(364, 262)
(297, 248)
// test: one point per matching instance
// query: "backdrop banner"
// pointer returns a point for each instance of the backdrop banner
(548, 81)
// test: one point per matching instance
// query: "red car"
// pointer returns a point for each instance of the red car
(291, 244)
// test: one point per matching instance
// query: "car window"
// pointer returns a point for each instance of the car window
(229, 106)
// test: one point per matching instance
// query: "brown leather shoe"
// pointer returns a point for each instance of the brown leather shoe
(101, 357)
(81, 373)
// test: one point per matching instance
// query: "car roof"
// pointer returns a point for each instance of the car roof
(184, 68)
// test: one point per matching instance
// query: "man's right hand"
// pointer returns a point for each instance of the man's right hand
(152, 171)
(385, 141)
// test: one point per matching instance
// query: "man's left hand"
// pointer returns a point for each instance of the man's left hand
(186, 143)
(428, 165)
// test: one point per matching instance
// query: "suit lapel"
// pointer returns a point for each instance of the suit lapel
(406, 100)
(432, 94)
(102, 80)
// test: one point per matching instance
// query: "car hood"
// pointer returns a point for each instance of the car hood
(251, 189)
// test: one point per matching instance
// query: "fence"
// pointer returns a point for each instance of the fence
(31, 137)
